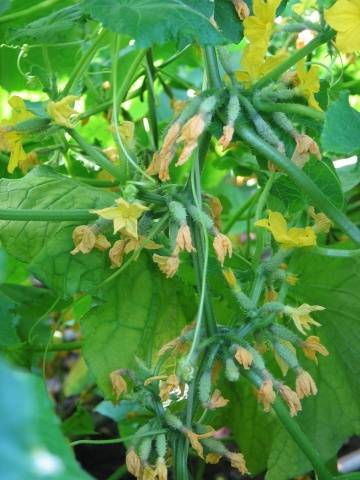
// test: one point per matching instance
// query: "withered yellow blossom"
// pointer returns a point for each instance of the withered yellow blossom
(241, 8)
(167, 386)
(305, 146)
(63, 111)
(190, 133)
(133, 463)
(124, 216)
(244, 357)
(311, 346)
(85, 239)
(194, 439)
(222, 246)
(291, 399)
(217, 400)
(266, 394)
(167, 265)
(117, 252)
(321, 221)
(237, 461)
(305, 385)
(183, 240)
(161, 469)
(118, 383)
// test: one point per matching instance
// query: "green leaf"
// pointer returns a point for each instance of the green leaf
(141, 311)
(341, 133)
(333, 414)
(31, 443)
(47, 245)
(285, 196)
(174, 19)
(326, 179)
(228, 21)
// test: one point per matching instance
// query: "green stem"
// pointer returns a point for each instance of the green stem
(302, 440)
(44, 215)
(119, 473)
(83, 64)
(116, 440)
(118, 98)
(212, 68)
(260, 234)
(293, 59)
(95, 155)
(57, 347)
(28, 11)
(149, 69)
(290, 108)
(242, 209)
(318, 198)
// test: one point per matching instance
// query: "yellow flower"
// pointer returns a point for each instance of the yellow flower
(305, 385)
(301, 316)
(124, 216)
(244, 357)
(344, 17)
(10, 139)
(118, 384)
(255, 64)
(62, 111)
(213, 458)
(311, 346)
(258, 27)
(308, 82)
(287, 237)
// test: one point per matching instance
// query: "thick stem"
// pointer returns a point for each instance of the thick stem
(302, 440)
(43, 215)
(95, 155)
(295, 108)
(28, 11)
(305, 183)
(212, 68)
(83, 63)
(275, 73)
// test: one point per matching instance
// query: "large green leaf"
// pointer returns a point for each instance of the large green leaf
(341, 133)
(31, 443)
(157, 21)
(141, 311)
(334, 414)
(46, 245)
